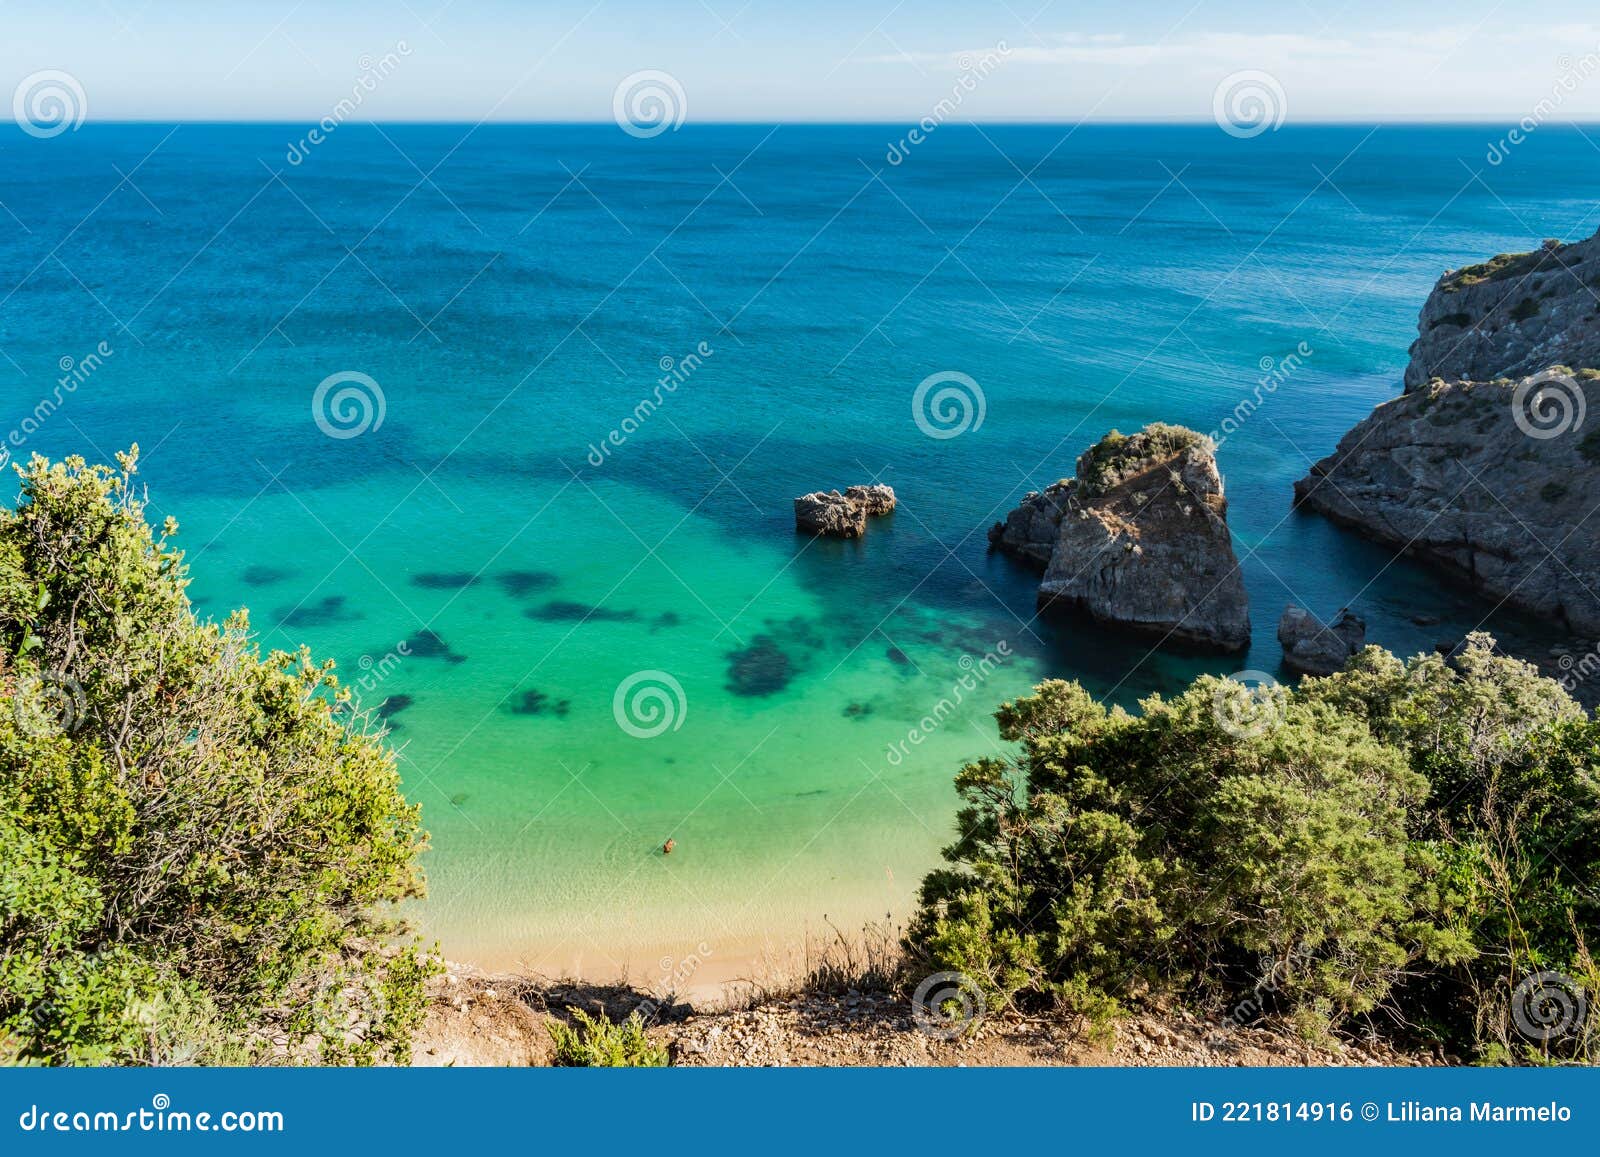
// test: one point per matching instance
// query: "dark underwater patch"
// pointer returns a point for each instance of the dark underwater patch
(428, 644)
(393, 705)
(264, 576)
(857, 710)
(563, 611)
(319, 614)
(759, 670)
(665, 619)
(536, 702)
(519, 584)
(444, 580)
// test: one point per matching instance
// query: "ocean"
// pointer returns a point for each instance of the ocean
(508, 419)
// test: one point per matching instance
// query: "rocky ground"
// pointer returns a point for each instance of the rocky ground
(478, 1019)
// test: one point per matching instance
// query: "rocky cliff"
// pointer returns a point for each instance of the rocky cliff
(1451, 474)
(1512, 316)
(1138, 538)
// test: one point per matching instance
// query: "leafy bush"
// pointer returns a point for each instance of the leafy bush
(195, 844)
(598, 1042)
(1405, 840)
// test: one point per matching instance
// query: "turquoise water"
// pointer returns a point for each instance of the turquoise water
(515, 292)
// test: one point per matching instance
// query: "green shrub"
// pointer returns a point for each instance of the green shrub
(1404, 841)
(598, 1042)
(195, 848)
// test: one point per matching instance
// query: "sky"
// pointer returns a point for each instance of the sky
(810, 60)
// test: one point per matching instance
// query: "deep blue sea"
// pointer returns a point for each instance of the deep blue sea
(485, 562)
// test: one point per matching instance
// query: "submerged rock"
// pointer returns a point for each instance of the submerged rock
(1138, 538)
(761, 669)
(1311, 648)
(842, 515)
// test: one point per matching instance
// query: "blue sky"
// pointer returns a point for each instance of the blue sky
(821, 60)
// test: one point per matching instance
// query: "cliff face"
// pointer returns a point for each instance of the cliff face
(1138, 538)
(1512, 316)
(1451, 474)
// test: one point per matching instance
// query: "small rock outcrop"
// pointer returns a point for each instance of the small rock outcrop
(1138, 538)
(1312, 648)
(842, 515)
(1512, 316)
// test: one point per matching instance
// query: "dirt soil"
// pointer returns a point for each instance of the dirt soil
(478, 1019)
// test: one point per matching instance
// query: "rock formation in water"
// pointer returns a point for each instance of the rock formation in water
(1488, 466)
(842, 515)
(1138, 539)
(1312, 648)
